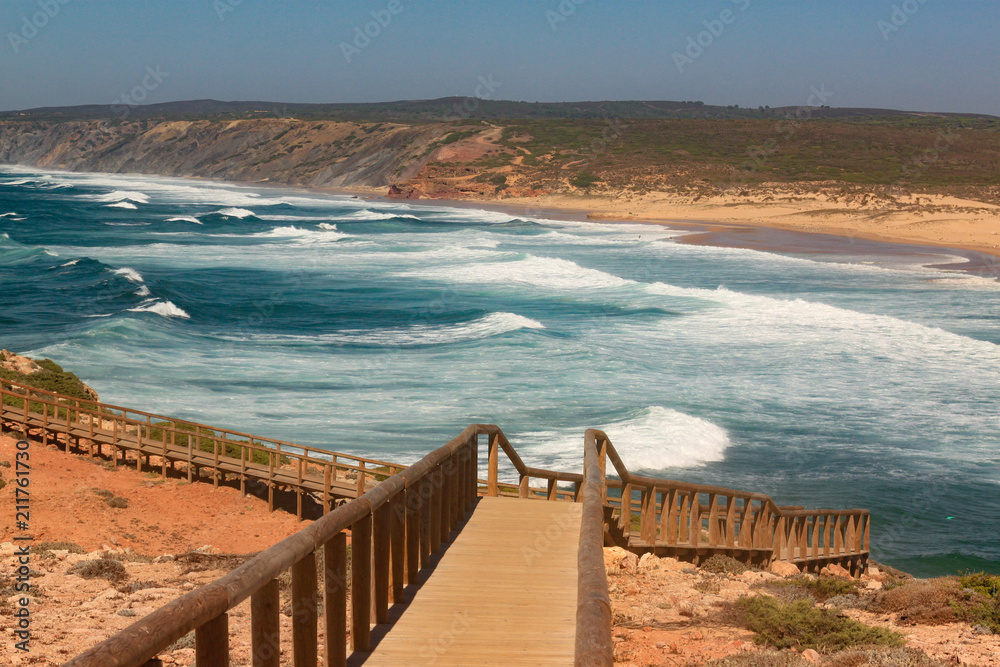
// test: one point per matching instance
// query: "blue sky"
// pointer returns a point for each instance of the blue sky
(932, 55)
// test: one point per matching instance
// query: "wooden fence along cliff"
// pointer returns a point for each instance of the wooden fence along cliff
(429, 543)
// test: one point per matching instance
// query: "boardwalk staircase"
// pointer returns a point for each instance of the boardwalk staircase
(430, 564)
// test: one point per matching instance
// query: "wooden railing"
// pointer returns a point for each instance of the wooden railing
(220, 451)
(594, 647)
(523, 489)
(694, 521)
(395, 528)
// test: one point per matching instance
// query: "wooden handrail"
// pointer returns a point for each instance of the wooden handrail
(594, 647)
(697, 519)
(435, 492)
(299, 467)
(106, 409)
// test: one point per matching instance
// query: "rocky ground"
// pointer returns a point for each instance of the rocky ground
(667, 612)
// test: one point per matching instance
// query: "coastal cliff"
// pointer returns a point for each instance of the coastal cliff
(280, 151)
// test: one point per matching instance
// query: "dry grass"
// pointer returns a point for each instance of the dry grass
(881, 657)
(102, 568)
(921, 601)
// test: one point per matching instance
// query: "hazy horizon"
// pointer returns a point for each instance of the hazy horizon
(914, 55)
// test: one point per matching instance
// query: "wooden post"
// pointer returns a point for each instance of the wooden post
(625, 517)
(668, 517)
(412, 506)
(552, 490)
(265, 626)
(361, 583)
(426, 510)
(695, 526)
(493, 488)
(270, 481)
(211, 642)
(647, 516)
(382, 553)
(779, 541)
(730, 521)
(435, 477)
(397, 538)
(45, 423)
(304, 612)
(326, 489)
(683, 529)
(335, 600)
(713, 520)
(361, 479)
(522, 486)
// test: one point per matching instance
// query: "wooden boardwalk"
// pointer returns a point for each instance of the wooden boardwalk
(503, 593)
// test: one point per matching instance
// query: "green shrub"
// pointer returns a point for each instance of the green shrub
(802, 625)
(821, 589)
(981, 599)
(584, 180)
(721, 564)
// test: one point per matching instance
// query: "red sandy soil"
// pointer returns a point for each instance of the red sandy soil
(163, 516)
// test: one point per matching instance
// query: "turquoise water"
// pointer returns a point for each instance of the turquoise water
(383, 328)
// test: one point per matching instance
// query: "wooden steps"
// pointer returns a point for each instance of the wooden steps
(504, 592)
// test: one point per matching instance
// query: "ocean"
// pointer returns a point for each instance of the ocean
(841, 379)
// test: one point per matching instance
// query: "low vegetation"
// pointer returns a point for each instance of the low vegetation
(102, 568)
(801, 625)
(820, 589)
(52, 377)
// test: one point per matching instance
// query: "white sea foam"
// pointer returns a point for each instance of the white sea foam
(656, 438)
(122, 196)
(130, 274)
(71, 262)
(322, 235)
(142, 291)
(369, 215)
(122, 204)
(7, 215)
(164, 308)
(186, 218)
(544, 272)
(494, 324)
(233, 212)
(328, 227)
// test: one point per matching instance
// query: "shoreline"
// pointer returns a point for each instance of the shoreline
(749, 235)
(714, 224)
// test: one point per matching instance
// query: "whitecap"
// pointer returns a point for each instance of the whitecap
(494, 324)
(71, 262)
(186, 218)
(7, 215)
(656, 438)
(122, 204)
(368, 215)
(163, 308)
(324, 234)
(142, 291)
(240, 213)
(130, 274)
(123, 196)
(545, 272)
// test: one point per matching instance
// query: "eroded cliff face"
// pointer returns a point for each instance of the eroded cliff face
(280, 151)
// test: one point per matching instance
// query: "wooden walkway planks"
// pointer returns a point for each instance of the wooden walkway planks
(504, 593)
